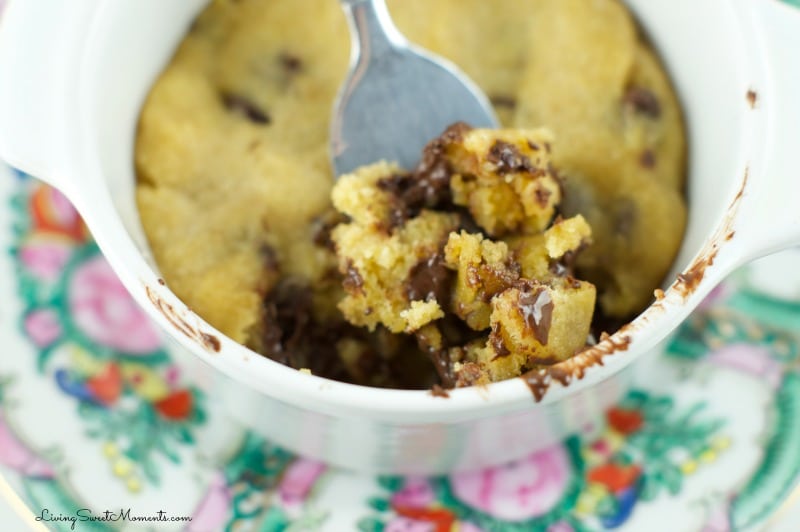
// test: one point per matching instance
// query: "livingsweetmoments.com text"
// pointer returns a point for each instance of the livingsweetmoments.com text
(85, 515)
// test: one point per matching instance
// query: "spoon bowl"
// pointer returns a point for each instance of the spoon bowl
(397, 96)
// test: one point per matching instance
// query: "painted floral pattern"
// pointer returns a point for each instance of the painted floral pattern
(647, 448)
(98, 345)
(105, 356)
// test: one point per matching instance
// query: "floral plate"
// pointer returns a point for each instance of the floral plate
(100, 428)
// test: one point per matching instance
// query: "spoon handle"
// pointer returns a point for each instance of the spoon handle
(372, 30)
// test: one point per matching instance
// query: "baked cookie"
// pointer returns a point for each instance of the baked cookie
(234, 180)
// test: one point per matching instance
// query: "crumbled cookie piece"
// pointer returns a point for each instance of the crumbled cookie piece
(405, 267)
(505, 180)
(551, 253)
(388, 273)
(485, 269)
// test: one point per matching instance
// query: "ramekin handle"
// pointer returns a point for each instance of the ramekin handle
(771, 210)
(31, 96)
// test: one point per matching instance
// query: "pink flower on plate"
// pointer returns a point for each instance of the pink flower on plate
(45, 255)
(213, 510)
(519, 490)
(298, 480)
(16, 455)
(105, 312)
(717, 294)
(415, 493)
(560, 526)
(42, 327)
(755, 360)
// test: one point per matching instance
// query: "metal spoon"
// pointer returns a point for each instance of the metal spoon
(397, 96)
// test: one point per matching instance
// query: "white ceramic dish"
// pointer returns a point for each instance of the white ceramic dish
(75, 74)
(709, 445)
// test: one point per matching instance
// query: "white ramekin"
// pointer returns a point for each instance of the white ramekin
(74, 74)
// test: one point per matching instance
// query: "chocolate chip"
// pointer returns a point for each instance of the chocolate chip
(543, 196)
(268, 257)
(625, 214)
(508, 158)
(536, 307)
(648, 159)
(642, 101)
(429, 280)
(503, 100)
(241, 106)
(291, 63)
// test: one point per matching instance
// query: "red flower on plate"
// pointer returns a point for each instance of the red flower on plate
(625, 421)
(615, 477)
(176, 406)
(441, 518)
(106, 386)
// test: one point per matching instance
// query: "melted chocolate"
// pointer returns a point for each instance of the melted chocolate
(440, 357)
(428, 186)
(292, 336)
(536, 308)
(429, 280)
(497, 343)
